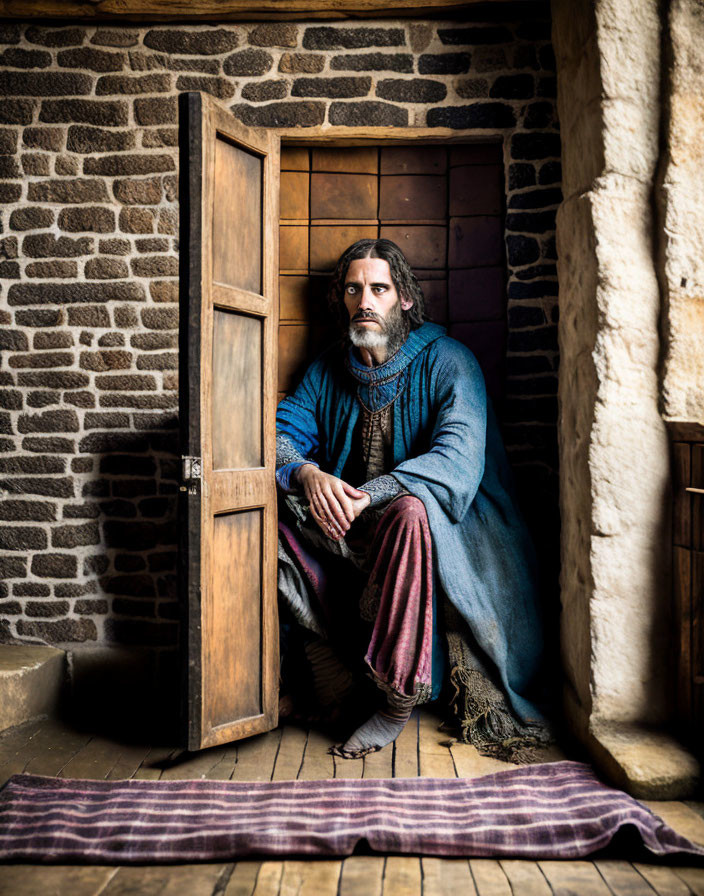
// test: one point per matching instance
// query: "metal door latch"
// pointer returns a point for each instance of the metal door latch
(191, 474)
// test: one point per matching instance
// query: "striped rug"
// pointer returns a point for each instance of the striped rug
(555, 810)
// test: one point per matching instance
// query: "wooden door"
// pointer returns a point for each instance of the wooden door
(228, 325)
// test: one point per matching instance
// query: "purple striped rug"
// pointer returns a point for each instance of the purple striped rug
(555, 810)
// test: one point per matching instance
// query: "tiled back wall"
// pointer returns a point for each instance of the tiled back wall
(89, 268)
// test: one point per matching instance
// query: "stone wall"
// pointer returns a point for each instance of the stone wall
(89, 265)
(614, 464)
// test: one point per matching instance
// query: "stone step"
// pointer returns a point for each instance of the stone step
(31, 682)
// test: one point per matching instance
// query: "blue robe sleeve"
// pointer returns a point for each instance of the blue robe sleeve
(297, 433)
(453, 467)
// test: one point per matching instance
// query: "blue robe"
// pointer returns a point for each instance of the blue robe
(448, 452)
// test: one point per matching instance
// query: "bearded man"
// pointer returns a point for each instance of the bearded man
(400, 539)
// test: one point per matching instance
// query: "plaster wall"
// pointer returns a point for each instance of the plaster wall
(614, 463)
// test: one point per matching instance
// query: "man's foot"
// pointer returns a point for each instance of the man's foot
(383, 728)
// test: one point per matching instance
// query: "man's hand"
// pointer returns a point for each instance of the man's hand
(335, 504)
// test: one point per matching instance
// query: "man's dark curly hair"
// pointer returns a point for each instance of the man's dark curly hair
(403, 278)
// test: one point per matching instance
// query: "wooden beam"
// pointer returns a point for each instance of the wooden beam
(225, 10)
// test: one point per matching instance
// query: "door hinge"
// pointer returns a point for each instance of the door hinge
(191, 474)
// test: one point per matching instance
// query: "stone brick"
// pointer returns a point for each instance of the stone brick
(546, 56)
(513, 87)
(473, 115)
(221, 88)
(9, 270)
(130, 536)
(95, 607)
(125, 317)
(111, 340)
(52, 269)
(43, 84)
(115, 247)
(9, 166)
(540, 339)
(529, 222)
(16, 111)
(91, 59)
(8, 140)
(331, 37)
(148, 62)
(22, 538)
(444, 63)
(332, 87)
(16, 57)
(59, 37)
(66, 165)
(47, 360)
(248, 62)
(13, 567)
(36, 164)
(536, 198)
(115, 37)
(550, 173)
(31, 589)
(470, 37)
(8, 247)
(133, 84)
(524, 56)
(38, 293)
(53, 379)
(88, 139)
(87, 218)
(10, 607)
(372, 114)
(534, 289)
(138, 192)
(25, 511)
(129, 164)
(75, 536)
(164, 290)
(299, 64)
(106, 360)
(170, 182)
(10, 399)
(125, 382)
(282, 115)
(160, 137)
(373, 62)
(94, 316)
(24, 464)
(105, 269)
(31, 218)
(161, 361)
(49, 421)
(277, 34)
(547, 87)
(536, 271)
(68, 191)
(126, 400)
(13, 340)
(208, 42)
(522, 250)
(63, 631)
(192, 65)
(163, 561)
(540, 115)
(82, 465)
(98, 563)
(520, 316)
(53, 444)
(521, 174)
(52, 487)
(46, 609)
(40, 317)
(420, 36)
(46, 245)
(107, 420)
(152, 244)
(156, 110)
(105, 113)
(154, 266)
(10, 33)
(10, 192)
(489, 59)
(417, 90)
(60, 339)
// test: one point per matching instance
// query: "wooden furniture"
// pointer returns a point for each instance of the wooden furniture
(688, 573)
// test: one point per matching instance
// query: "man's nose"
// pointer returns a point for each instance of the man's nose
(366, 301)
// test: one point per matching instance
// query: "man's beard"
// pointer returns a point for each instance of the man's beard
(393, 333)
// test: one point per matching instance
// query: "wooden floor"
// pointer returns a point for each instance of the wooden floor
(54, 748)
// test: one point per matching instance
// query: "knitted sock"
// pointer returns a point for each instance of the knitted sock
(381, 729)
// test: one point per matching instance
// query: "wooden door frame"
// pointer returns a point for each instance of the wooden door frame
(390, 136)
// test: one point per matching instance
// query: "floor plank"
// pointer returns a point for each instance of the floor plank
(489, 878)
(469, 763)
(567, 878)
(362, 876)
(14, 748)
(57, 880)
(130, 758)
(256, 757)
(435, 759)
(269, 879)
(402, 876)
(623, 879)
(225, 766)
(95, 760)
(310, 878)
(447, 876)
(525, 877)
(406, 749)
(348, 768)
(693, 877)
(684, 820)
(191, 766)
(663, 880)
(379, 764)
(167, 880)
(153, 765)
(290, 756)
(243, 879)
(317, 761)
(52, 747)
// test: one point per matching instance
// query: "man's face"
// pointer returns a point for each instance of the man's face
(374, 305)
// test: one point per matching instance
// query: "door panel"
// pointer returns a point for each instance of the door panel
(228, 375)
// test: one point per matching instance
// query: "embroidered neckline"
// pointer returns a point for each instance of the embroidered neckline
(389, 370)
